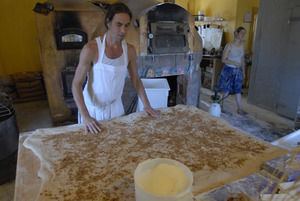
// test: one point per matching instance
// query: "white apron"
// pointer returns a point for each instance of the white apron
(103, 91)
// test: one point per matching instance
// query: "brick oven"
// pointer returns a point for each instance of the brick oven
(164, 36)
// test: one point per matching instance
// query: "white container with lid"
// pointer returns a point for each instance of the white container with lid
(157, 90)
(143, 195)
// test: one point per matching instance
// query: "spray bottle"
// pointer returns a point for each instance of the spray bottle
(215, 108)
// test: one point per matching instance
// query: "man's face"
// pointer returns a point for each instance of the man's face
(119, 26)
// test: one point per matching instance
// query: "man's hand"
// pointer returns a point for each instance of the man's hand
(152, 112)
(92, 125)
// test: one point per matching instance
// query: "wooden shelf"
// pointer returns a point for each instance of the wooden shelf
(217, 67)
(210, 21)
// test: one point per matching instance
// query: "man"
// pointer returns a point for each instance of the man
(111, 57)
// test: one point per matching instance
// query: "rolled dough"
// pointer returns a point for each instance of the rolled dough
(78, 166)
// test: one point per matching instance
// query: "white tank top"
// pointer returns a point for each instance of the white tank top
(114, 62)
(235, 54)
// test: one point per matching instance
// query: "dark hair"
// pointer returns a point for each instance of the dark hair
(115, 9)
(239, 29)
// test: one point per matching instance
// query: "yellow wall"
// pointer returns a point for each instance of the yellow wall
(19, 49)
(183, 3)
(242, 7)
(231, 10)
(227, 9)
(189, 5)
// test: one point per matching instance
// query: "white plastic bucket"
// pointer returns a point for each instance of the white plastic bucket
(157, 90)
(142, 195)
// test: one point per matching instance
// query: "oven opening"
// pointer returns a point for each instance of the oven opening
(164, 29)
(67, 78)
(170, 41)
(70, 39)
(172, 80)
(168, 37)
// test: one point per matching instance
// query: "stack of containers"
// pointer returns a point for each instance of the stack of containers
(29, 86)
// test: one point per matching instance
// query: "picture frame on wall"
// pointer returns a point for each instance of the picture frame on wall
(247, 17)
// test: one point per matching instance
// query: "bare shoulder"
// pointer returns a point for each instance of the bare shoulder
(227, 48)
(229, 45)
(131, 52)
(90, 47)
(131, 48)
(90, 51)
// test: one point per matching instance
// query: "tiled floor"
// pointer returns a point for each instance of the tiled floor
(261, 123)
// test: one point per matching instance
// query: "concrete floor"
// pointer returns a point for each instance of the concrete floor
(259, 122)
(30, 116)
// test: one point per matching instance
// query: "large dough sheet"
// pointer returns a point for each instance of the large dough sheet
(78, 166)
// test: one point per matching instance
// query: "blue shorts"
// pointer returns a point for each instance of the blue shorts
(231, 80)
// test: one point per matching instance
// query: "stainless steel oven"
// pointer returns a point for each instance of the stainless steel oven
(168, 37)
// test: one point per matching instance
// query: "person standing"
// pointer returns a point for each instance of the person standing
(233, 71)
(106, 61)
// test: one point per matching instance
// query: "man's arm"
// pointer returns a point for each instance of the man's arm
(87, 56)
(137, 83)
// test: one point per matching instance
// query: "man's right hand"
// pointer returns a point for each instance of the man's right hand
(92, 125)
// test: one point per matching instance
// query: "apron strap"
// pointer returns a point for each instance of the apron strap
(101, 48)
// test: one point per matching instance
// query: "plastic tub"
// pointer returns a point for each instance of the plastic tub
(142, 195)
(157, 91)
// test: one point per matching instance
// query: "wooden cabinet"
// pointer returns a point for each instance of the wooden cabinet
(211, 69)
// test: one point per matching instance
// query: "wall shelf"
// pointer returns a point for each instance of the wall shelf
(220, 19)
(210, 21)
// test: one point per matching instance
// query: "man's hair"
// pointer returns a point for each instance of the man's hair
(115, 9)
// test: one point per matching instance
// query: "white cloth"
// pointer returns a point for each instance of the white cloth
(211, 37)
(103, 91)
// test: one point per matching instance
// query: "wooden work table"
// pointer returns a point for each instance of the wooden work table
(214, 69)
(27, 183)
(184, 133)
